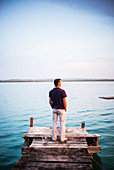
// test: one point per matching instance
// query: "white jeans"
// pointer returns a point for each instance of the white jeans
(62, 117)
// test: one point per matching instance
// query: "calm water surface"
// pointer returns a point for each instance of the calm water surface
(20, 101)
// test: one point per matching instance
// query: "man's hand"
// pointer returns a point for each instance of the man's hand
(50, 102)
(65, 103)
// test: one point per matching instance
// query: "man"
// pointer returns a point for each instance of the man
(57, 100)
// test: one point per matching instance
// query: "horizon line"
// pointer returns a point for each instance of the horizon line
(51, 80)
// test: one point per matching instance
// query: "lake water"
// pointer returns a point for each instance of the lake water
(20, 101)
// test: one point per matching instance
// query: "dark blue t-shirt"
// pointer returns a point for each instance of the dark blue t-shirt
(57, 96)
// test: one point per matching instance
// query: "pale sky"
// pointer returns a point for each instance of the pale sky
(41, 39)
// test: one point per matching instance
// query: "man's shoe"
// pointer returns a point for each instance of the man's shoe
(64, 141)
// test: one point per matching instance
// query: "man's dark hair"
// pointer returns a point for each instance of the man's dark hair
(56, 82)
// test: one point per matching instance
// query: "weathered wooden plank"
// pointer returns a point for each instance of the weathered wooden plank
(57, 158)
(46, 144)
(47, 132)
(76, 140)
(51, 158)
(46, 159)
(47, 135)
(56, 151)
(53, 166)
(69, 130)
(92, 135)
(68, 140)
(50, 136)
(36, 135)
(58, 142)
(82, 146)
(75, 130)
(94, 149)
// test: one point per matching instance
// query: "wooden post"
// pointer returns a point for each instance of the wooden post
(83, 124)
(97, 141)
(31, 121)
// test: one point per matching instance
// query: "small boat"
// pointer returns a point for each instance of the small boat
(109, 98)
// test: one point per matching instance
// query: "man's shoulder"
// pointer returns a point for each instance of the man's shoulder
(57, 89)
(62, 90)
(51, 90)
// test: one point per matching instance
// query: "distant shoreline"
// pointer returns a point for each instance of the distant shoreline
(51, 80)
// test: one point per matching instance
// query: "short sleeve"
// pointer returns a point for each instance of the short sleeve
(50, 94)
(64, 94)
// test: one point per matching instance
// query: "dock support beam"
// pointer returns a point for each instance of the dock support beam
(31, 121)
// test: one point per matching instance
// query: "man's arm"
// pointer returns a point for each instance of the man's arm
(50, 101)
(65, 103)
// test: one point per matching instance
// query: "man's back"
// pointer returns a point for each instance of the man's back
(57, 95)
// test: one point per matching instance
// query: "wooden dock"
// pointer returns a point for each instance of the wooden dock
(40, 152)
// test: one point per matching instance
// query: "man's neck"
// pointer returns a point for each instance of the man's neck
(57, 86)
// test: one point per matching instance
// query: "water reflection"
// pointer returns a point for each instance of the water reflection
(96, 162)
